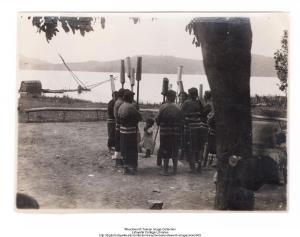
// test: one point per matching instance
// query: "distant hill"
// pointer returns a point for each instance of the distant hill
(261, 65)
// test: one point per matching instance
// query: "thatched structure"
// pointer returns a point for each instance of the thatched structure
(30, 88)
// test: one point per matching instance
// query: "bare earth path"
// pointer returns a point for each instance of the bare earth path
(67, 166)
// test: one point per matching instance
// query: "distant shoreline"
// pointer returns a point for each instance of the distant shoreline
(261, 66)
(63, 70)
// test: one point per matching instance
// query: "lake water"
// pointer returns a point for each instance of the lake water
(150, 85)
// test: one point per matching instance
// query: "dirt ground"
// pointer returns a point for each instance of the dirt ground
(67, 166)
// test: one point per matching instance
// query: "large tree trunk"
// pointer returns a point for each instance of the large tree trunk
(226, 47)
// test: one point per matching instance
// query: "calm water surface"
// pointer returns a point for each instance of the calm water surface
(150, 85)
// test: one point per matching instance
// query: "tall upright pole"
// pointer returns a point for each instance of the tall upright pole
(128, 63)
(165, 88)
(179, 79)
(138, 78)
(201, 91)
(132, 78)
(180, 88)
(122, 73)
(112, 85)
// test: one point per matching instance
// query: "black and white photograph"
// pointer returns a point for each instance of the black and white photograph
(152, 112)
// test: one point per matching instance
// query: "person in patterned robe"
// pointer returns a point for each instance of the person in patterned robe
(118, 103)
(169, 119)
(129, 117)
(111, 122)
(195, 131)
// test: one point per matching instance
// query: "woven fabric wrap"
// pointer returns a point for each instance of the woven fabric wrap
(128, 130)
(169, 140)
(173, 129)
(191, 121)
(129, 144)
(198, 136)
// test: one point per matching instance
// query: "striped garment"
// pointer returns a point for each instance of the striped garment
(129, 118)
(170, 129)
(170, 121)
(128, 130)
(111, 120)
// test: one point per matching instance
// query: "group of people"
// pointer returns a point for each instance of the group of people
(187, 131)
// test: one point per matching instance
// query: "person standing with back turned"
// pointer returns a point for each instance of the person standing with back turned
(129, 118)
(111, 122)
(195, 131)
(118, 103)
(169, 119)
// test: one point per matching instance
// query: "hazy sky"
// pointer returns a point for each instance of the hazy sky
(121, 38)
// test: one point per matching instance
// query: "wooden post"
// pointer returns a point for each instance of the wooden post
(201, 91)
(112, 86)
(112, 83)
(179, 79)
(122, 73)
(180, 88)
(165, 88)
(132, 78)
(179, 73)
(138, 78)
(128, 67)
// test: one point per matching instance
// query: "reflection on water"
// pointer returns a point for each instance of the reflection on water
(150, 85)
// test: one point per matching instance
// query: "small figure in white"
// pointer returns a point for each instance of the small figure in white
(147, 140)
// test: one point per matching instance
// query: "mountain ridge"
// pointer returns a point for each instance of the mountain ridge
(261, 65)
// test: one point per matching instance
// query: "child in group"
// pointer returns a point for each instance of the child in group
(147, 140)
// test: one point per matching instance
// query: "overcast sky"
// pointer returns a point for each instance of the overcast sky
(121, 38)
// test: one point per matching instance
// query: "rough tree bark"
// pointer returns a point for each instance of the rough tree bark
(226, 48)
